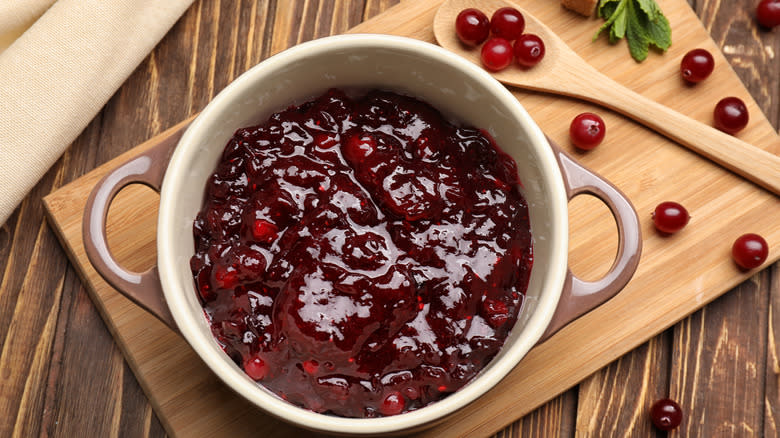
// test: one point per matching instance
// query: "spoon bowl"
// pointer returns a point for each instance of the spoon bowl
(565, 73)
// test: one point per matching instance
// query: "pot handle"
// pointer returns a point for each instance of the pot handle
(148, 168)
(578, 296)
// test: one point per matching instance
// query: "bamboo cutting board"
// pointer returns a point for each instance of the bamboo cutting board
(677, 274)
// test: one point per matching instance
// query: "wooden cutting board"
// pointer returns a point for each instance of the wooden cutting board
(677, 275)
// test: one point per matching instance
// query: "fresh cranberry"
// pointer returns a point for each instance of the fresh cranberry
(256, 368)
(334, 253)
(697, 65)
(507, 23)
(226, 277)
(393, 404)
(666, 414)
(587, 131)
(670, 217)
(750, 251)
(496, 54)
(359, 147)
(731, 115)
(768, 13)
(472, 26)
(529, 50)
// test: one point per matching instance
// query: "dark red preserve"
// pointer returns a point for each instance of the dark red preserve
(363, 256)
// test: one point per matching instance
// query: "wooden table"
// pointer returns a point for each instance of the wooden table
(62, 375)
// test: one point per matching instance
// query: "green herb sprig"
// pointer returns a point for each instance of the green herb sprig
(640, 21)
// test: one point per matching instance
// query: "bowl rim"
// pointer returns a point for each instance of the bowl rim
(263, 398)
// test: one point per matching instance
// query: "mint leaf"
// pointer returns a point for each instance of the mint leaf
(618, 29)
(607, 8)
(638, 38)
(616, 10)
(660, 32)
(641, 22)
(650, 8)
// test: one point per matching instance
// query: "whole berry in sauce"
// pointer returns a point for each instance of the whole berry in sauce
(529, 50)
(496, 54)
(508, 23)
(750, 251)
(587, 131)
(670, 217)
(256, 368)
(393, 404)
(697, 65)
(666, 414)
(731, 115)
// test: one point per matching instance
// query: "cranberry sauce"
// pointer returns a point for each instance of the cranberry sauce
(362, 257)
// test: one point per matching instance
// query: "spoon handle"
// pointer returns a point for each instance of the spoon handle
(746, 160)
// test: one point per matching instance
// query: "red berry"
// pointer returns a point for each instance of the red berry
(529, 50)
(697, 65)
(359, 147)
(670, 217)
(587, 130)
(666, 414)
(256, 368)
(731, 115)
(393, 404)
(507, 23)
(768, 13)
(472, 26)
(226, 278)
(264, 231)
(496, 54)
(750, 251)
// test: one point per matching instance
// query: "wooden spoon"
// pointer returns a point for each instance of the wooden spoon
(563, 72)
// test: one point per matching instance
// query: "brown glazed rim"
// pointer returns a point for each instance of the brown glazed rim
(577, 298)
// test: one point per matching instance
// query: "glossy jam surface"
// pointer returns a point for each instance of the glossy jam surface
(362, 256)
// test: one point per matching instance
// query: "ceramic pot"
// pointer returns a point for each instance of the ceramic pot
(180, 167)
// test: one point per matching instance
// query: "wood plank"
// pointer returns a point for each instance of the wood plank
(772, 365)
(555, 418)
(614, 401)
(28, 317)
(717, 365)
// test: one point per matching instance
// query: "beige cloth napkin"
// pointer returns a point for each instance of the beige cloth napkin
(57, 75)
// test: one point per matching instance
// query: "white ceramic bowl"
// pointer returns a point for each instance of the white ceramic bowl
(458, 88)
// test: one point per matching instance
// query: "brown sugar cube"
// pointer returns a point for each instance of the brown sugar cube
(584, 7)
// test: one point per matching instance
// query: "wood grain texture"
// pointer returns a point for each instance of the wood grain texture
(772, 365)
(751, 53)
(717, 364)
(61, 374)
(613, 401)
